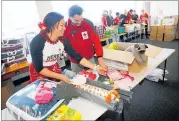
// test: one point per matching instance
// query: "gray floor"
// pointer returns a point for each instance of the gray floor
(155, 101)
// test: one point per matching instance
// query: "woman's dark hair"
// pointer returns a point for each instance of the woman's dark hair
(117, 13)
(51, 19)
(75, 10)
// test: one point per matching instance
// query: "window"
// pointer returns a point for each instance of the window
(18, 18)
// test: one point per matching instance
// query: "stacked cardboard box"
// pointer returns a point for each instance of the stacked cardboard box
(170, 32)
(153, 32)
(160, 33)
(177, 32)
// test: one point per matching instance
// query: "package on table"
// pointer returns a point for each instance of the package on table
(100, 31)
(127, 58)
(22, 105)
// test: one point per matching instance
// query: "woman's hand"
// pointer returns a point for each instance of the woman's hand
(66, 79)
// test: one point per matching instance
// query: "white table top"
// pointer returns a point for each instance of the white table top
(88, 109)
(153, 63)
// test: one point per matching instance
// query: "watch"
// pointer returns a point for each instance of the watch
(95, 68)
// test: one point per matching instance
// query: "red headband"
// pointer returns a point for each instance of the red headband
(42, 26)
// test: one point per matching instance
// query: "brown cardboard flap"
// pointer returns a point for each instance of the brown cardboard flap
(122, 56)
(153, 51)
(127, 57)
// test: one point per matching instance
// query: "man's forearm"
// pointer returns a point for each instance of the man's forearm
(87, 63)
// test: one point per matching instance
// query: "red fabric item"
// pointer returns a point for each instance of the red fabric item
(34, 75)
(117, 75)
(104, 21)
(116, 20)
(84, 46)
(144, 18)
(44, 93)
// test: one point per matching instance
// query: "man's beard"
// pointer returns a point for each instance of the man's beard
(76, 24)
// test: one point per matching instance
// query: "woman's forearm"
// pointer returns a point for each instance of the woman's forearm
(51, 74)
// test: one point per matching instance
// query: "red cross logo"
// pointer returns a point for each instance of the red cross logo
(84, 35)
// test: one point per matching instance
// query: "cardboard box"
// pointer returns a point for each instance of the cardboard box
(170, 20)
(153, 29)
(160, 29)
(169, 36)
(176, 19)
(159, 37)
(170, 28)
(177, 35)
(127, 57)
(7, 89)
(153, 36)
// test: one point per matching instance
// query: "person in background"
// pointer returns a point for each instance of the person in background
(117, 19)
(129, 17)
(46, 48)
(144, 20)
(82, 42)
(135, 17)
(123, 18)
(104, 18)
(110, 19)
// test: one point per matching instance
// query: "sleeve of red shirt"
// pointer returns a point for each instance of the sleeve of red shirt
(141, 17)
(146, 15)
(96, 40)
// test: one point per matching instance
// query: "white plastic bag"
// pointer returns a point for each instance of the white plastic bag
(156, 74)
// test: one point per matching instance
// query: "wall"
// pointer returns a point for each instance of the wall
(18, 17)
(93, 9)
(169, 8)
(43, 7)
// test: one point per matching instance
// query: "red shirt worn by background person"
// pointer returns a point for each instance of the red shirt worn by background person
(128, 17)
(116, 20)
(104, 21)
(84, 40)
(144, 18)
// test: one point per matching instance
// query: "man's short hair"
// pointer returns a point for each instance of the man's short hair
(75, 10)
(130, 10)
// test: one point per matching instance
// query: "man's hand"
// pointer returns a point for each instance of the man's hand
(101, 63)
(101, 70)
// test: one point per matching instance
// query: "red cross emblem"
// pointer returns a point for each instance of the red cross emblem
(84, 35)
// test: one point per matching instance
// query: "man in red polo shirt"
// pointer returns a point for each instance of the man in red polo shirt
(82, 42)
(144, 20)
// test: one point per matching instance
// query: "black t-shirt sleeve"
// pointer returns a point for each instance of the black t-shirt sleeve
(70, 50)
(91, 24)
(36, 50)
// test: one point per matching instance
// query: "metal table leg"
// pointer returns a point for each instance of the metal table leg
(165, 64)
(122, 115)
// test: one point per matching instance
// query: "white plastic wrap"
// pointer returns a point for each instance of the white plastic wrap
(156, 75)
